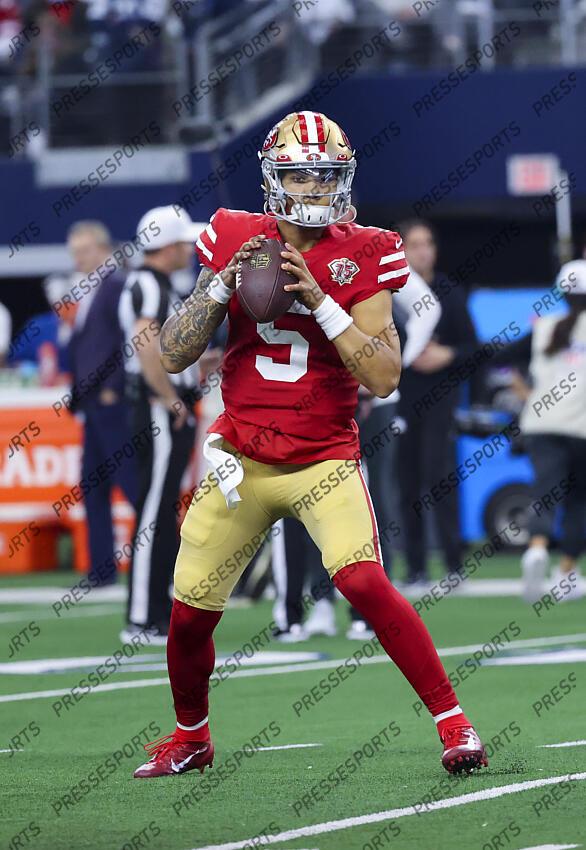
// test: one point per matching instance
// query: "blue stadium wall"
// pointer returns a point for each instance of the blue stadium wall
(417, 154)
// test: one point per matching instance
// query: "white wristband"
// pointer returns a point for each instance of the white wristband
(332, 318)
(219, 291)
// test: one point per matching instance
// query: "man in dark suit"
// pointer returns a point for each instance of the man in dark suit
(430, 390)
(96, 349)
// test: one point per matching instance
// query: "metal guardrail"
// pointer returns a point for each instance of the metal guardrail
(269, 51)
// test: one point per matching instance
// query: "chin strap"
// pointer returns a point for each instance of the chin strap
(348, 217)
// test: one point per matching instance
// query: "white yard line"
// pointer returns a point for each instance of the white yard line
(491, 587)
(287, 668)
(580, 637)
(146, 662)
(553, 847)
(391, 814)
(59, 692)
(33, 614)
(44, 595)
(64, 665)
(564, 744)
(574, 655)
(288, 747)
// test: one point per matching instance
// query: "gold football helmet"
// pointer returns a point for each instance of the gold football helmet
(310, 143)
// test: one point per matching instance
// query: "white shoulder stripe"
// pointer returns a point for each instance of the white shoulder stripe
(392, 275)
(211, 233)
(204, 250)
(392, 258)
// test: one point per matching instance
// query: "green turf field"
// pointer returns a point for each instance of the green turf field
(70, 783)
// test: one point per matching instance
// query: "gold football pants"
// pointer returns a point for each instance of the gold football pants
(217, 543)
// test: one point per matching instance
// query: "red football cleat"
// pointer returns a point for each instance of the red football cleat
(463, 750)
(169, 756)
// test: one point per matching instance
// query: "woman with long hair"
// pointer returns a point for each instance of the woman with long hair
(553, 423)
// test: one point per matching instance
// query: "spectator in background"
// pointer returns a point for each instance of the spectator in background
(10, 26)
(553, 423)
(320, 20)
(49, 331)
(162, 412)
(5, 333)
(95, 341)
(133, 29)
(427, 450)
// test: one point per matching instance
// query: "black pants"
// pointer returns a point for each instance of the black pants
(559, 464)
(295, 556)
(379, 441)
(427, 453)
(162, 461)
(106, 434)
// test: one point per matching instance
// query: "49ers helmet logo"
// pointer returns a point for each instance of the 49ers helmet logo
(271, 139)
(343, 270)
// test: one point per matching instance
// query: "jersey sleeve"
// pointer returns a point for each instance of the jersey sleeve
(386, 268)
(219, 241)
(392, 269)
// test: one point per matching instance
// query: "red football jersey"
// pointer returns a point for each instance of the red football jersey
(288, 397)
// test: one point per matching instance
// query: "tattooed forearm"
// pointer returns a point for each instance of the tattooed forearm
(185, 335)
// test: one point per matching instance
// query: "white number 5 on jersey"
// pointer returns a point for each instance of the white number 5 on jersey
(297, 365)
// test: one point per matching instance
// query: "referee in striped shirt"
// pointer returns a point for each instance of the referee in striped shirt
(161, 410)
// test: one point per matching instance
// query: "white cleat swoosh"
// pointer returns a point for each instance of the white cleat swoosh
(473, 741)
(177, 768)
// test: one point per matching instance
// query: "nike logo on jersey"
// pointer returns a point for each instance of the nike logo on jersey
(398, 242)
(178, 767)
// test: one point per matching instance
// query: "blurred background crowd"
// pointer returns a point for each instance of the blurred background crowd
(46, 46)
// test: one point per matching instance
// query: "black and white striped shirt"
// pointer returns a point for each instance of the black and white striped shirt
(149, 294)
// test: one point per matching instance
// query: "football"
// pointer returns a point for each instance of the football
(260, 281)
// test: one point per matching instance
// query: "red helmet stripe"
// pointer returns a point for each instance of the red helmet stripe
(303, 130)
(321, 133)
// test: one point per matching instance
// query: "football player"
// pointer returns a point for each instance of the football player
(286, 443)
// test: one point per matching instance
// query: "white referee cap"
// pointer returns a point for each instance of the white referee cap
(163, 226)
(573, 275)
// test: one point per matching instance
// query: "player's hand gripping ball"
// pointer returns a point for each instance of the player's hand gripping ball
(260, 283)
(306, 288)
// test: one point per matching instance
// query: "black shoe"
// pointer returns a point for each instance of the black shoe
(419, 578)
(294, 634)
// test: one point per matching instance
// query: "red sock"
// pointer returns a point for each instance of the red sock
(190, 659)
(403, 636)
